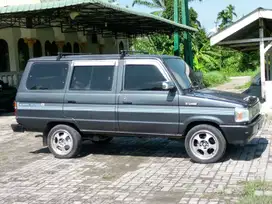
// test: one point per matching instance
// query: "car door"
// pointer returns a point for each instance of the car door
(143, 106)
(90, 99)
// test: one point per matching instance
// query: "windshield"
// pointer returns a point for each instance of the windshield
(184, 75)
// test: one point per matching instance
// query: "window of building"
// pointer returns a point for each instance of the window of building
(23, 52)
(47, 76)
(54, 49)
(76, 48)
(121, 46)
(4, 56)
(143, 78)
(48, 48)
(37, 49)
(95, 78)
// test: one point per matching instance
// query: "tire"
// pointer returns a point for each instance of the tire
(205, 144)
(102, 140)
(60, 138)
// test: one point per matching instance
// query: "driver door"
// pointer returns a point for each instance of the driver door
(143, 106)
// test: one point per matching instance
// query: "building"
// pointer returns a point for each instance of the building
(18, 44)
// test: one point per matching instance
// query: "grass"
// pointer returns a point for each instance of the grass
(245, 86)
(245, 193)
(248, 196)
(245, 73)
(214, 78)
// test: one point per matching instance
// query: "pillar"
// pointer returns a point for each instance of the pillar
(188, 54)
(176, 34)
(262, 57)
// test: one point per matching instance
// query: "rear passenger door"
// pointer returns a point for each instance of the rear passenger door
(143, 106)
(90, 99)
(41, 93)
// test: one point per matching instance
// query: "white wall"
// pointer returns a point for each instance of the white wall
(12, 35)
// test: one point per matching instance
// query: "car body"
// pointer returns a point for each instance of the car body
(97, 97)
(7, 96)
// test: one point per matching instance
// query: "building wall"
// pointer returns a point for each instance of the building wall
(12, 36)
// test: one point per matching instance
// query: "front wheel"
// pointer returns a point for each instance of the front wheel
(64, 141)
(205, 144)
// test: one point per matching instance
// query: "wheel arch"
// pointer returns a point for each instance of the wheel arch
(52, 124)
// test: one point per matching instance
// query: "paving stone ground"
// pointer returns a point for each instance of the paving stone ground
(129, 170)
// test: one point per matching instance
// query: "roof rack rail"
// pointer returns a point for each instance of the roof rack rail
(63, 54)
(123, 53)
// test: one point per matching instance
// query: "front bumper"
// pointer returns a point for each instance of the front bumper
(242, 134)
(17, 128)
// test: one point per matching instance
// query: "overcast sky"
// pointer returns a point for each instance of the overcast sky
(208, 9)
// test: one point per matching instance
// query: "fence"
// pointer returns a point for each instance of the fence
(12, 78)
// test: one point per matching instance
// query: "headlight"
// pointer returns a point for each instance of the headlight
(242, 115)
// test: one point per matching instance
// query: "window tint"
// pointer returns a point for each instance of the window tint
(143, 78)
(96, 78)
(47, 76)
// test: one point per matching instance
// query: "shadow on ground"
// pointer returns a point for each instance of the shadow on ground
(163, 148)
(5, 113)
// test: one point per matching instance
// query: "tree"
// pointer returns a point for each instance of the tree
(226, 16)
(153, 4)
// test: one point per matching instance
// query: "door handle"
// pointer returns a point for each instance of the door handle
(71, 101)
(127, 102)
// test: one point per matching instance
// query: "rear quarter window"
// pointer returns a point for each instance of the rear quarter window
(47, 76)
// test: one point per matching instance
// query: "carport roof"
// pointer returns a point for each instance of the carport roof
(94, 16)
(244, 35)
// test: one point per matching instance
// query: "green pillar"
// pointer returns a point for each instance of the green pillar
(176, 35)
(188, 54)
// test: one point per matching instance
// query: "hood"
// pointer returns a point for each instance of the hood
(230, 97)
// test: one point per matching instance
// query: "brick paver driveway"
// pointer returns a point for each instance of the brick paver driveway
(129, 170)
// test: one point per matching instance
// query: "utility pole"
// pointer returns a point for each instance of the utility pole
(176, 35)
(188, 54)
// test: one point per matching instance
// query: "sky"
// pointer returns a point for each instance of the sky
(208, 9)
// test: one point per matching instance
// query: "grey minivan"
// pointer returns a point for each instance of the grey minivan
(71, 98)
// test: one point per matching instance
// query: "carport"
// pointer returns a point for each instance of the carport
(252, 32)
(50, 26)
(88, 16)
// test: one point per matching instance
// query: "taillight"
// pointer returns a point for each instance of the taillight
(15, 107)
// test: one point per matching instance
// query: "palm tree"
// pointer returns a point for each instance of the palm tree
(153, 4)
(226, 16)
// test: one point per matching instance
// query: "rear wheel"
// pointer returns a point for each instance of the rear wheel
(64, 141)
(205, 144)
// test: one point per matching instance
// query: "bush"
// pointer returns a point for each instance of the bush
(214, 78)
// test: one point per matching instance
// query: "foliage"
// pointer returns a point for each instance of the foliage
(217, 63)
(226, 16)
(214, 78)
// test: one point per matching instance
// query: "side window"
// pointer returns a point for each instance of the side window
(143, 78)
(47, 76)
(95, 78)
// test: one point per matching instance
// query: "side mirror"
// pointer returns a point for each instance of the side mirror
(168, 85)
(199, 75)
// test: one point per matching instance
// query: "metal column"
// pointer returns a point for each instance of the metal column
(176, 35)
(188, 54)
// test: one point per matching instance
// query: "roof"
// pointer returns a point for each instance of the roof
(98, 57)
(95, 16)
(244, 33)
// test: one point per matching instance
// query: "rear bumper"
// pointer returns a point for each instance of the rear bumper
(17, 128)
(242, 134)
